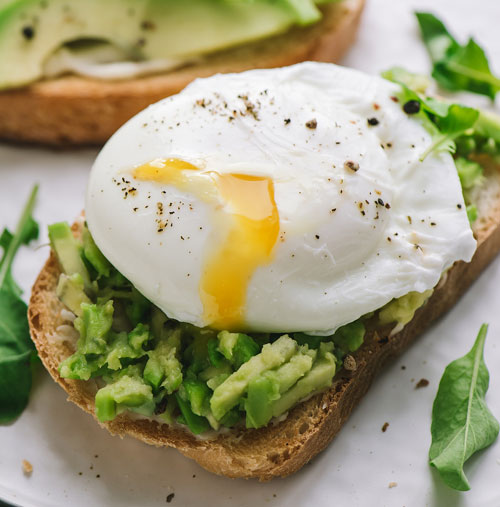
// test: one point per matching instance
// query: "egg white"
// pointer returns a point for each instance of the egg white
(350, 240)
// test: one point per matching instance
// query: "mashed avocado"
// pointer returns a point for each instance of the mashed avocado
(156, 366)
(180, 373)
(402, 310)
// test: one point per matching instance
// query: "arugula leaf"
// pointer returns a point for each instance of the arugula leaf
(444, 121)
(16, 347)
(436, 37)
(415, 82)
(29, 233)
(461, 422)
(456, 67)
(455, 123)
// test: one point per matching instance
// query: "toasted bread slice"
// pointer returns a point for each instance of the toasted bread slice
(282, 448)
(74, 110)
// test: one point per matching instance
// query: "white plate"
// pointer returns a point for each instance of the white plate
(77, 463)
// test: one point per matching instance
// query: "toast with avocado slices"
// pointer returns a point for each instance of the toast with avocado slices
(289, 441)
(76, 110)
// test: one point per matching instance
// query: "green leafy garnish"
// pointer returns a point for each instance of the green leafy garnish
(445, 121)
(461, 422)
(411, 81)
(457, 121)
(456, 67)
(16, 348)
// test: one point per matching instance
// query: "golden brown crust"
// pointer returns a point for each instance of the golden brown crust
(284, 448)
(74, 110)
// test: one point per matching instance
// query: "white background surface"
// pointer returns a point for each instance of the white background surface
(61, 441)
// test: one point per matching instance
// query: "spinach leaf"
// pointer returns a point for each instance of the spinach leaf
(456, 67)
(461, 422)
(16, 347)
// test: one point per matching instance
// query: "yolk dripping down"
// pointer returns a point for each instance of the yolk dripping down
(248, 244)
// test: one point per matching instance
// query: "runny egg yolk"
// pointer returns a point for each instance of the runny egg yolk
(249, 242)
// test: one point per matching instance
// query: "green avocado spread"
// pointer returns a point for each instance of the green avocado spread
(155, 366)
(167, 32)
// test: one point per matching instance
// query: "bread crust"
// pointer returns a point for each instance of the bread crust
(81, 111)
(281, 449)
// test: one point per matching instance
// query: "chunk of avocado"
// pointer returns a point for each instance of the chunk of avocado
(163, 369)
(94, 326)
(350, 337)
(228, 394)
(128, 392)
(238, 348)
(197, 424)
(126, 346)
(70, 291)
(68, 251)
(94, 255)
(402, 310)
(31, 30)
(263, 390)
(318, 378)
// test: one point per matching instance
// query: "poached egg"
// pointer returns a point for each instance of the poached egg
(277, 200)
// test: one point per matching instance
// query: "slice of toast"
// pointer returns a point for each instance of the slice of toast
(75, 110)
(282, 448)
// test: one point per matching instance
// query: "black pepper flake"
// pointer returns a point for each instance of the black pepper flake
(148, 25)
(287, 121)
(28, 32)
(312, 124)
(372, 121)
(353, 166)
(316, 236)
(380, 201)
(387, 205)
(394, 99)
(389, 239)
(409, 219)
(333, 210)
(433, 223)
(459, 206)
(170, 497)
(411, 107)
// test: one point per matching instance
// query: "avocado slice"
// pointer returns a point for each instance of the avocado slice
(318, 378)
(228, 394)
(32, 30)
(94, 255)
(68, 251)
(128, 392)
(70, 291)
(267, 388)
